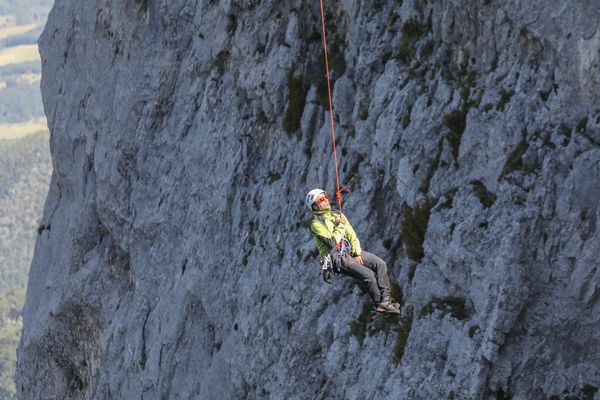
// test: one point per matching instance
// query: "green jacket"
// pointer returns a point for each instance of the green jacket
(327, 233)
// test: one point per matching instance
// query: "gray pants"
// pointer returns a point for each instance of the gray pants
(373, 273)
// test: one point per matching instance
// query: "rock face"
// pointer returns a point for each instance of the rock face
(176, 262)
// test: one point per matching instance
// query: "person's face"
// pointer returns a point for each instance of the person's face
(323, 202)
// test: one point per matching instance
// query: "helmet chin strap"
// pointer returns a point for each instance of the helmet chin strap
(317, 207)
(324, 209)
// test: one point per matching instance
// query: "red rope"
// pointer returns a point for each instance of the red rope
(338, 192)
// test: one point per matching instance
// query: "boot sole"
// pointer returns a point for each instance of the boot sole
(385, 311)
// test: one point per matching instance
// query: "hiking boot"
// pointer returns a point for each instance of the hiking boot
(391, 300)
(394, 303)
(387, 307)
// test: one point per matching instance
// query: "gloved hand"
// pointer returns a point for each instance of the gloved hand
(338, 195)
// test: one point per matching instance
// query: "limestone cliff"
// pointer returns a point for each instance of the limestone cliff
(176, 262)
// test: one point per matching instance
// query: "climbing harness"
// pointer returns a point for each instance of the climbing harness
(343, 247)
(339, 190)
(331, 263)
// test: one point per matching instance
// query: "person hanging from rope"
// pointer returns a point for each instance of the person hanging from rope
(341, 253)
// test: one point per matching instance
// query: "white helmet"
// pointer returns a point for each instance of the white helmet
(311, 197)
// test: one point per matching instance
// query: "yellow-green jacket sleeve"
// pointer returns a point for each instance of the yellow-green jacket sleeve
(353, 239)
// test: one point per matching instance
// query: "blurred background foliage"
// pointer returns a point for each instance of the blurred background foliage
(25, 167)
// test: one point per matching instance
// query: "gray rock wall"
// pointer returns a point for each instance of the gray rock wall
(185, 135)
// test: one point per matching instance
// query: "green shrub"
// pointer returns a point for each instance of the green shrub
(337, 62)
(317, 76)
(567, 132)
(396, 291)
(296, 102)
(412, 28)
(353, 170)
(589, 392)
(466, 81)
(514, 162)
(427, 49)
(371, 323)
(456, 122)
(582, 125)
(231, 25)
(505, 96)
(403, 332)
(574, 393)
(414, 227)
(449, 198)
(486, 197)
(358, 328)
(222, 61)
(364, 114)
(473, 330)
(273, 177)
(412, 31)
(406, 116)
(412, 269)
(424, 188)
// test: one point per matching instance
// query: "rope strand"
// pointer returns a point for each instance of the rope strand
(338, 192)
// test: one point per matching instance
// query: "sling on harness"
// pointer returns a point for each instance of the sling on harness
(331, 262)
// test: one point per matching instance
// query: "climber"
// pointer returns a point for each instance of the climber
(340, 250)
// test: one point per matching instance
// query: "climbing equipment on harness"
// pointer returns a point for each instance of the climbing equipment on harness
(336, 254)
(327, 266)
(327, 263)
(338, 192)
(331, 263)
(344, 246)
